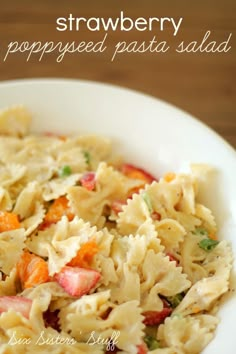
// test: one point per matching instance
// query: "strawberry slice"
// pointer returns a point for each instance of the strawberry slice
(172, 258)
(156, 216)
(15, 303)
(77, 281)
(137, 173)
(156, 317)
(142, 349)
(88, 181)
(117, 206)
(54, 135)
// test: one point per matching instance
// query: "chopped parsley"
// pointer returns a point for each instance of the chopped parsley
(147, 200)
(151, 342)
(64, 171)
(208, 244)
(87, 157)
(200, 231)
(175, 300)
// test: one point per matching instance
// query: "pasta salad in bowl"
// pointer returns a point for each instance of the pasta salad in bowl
(100, 254)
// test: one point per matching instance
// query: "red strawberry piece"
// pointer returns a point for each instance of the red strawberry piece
(15, 303)
(77, 281)
(156, 216)
(117, 205)
(137, 173)
(156, 317)
(88, 181)
(142, 349)
(172, 258)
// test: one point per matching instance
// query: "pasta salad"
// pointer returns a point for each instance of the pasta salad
(98, 255)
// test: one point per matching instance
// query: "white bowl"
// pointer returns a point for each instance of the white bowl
(149, 133)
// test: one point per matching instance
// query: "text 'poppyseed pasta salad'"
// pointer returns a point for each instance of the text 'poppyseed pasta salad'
(99, 256)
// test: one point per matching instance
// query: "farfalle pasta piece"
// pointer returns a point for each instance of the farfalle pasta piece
(189, 222)
(9, 148)
(73, 157)
(32, 222)
(10, 174)
(187, 334)
(150, 300)
(15, 121)
(25, 203)
(11, 243)
(170, 232)
(133, 215)
(106, 267)
(163, 197)
(157, 270)
(187, 183)
(219, 260)
(8, 285)
(202, 296)
(6, 202)
(166, 199)
(148, 229)
(47, 294)
(95, 149)
(206, 217)
(192, 257)
(132, 249)
(198, 264)
(47, 142)
(40, 168)
(137, 250)
(86, 204)
(122, 292)
(89, 205)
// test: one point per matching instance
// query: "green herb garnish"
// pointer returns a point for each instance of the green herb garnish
(208, 244)
(200, 231)
(64, 171)
(87, 157)
(147, 200)
(175, 300)
(177, 315)
(151, 342)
